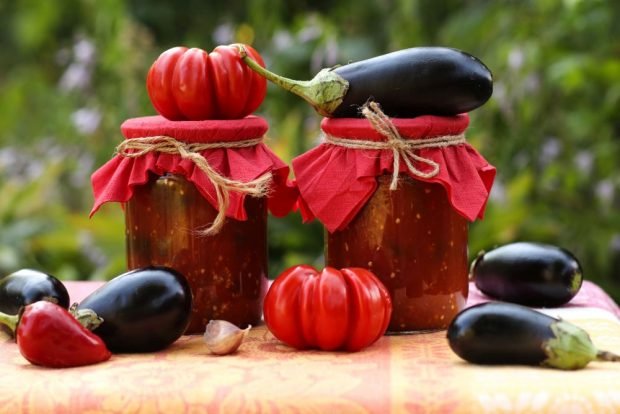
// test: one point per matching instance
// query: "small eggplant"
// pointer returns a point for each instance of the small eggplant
(496, 333)
(406, 83)
(27, 286)
(532, 274)
(144, 310)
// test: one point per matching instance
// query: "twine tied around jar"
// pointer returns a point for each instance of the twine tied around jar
(401, 148)
(259, 187)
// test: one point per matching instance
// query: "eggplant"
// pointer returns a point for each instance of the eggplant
(527, 273)
(405, 83)
(27, 286)
(495, 333)
(143, 310)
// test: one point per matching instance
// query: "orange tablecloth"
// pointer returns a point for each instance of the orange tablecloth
(414, 373)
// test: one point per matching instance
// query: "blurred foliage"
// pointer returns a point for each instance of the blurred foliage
(72, 70)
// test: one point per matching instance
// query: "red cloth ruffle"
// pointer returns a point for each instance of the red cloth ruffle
(336, 182)
(116, 179)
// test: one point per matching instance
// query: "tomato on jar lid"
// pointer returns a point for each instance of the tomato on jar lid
(191, 84)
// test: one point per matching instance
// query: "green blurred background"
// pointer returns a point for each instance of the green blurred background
(72, 70)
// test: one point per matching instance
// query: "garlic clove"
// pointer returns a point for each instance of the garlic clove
(223, 337)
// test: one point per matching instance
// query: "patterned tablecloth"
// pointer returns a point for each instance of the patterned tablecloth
(414, 373)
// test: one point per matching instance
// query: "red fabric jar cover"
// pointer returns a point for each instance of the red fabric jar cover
(115, 180)
(335, 182)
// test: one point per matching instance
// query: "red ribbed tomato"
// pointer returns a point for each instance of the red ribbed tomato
(191, 84)
(347, 309)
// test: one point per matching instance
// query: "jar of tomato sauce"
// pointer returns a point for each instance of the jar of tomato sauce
(196, 196)
(409, 227)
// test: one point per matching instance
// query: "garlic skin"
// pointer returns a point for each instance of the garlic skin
(223, 337)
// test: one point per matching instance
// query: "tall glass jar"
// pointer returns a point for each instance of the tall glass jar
(409, 228)
(227, 271)
(170, 198)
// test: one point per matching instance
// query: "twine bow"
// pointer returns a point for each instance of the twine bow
(401, 148)
(259, 187)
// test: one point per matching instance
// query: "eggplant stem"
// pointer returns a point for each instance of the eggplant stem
(295, 86)
(607, 356)
(10, 321)
(325, 92)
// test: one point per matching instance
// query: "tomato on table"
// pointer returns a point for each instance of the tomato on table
(347, 309)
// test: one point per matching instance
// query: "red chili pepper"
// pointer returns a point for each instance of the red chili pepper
(191, 84)
(49, 335)
(346, 309)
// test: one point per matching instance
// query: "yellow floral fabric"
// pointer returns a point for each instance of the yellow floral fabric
(409, 374)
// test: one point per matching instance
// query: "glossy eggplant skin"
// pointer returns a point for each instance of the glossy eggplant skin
(532, 274)
(27, 286)
(143, 310)
(500, 333)
(416, 81)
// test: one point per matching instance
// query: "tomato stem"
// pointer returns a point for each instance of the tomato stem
(10, 321)
(325, 92)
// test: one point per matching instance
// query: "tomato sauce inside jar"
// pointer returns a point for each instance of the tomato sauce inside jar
(416, 244)
(227, 271)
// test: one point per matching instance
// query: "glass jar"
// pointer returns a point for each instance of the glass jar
(227, 271)
(416, 244)
(410, 228)
(165, 173)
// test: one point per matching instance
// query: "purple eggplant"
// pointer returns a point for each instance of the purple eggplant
(499, 333)
(405, 83)
(144, 310)
(27, 286)
(532, 274)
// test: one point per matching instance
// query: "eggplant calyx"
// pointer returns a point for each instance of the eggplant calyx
(10, 321)
(86, 317)
(576, 282)
(570, 348)
(325, 92)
